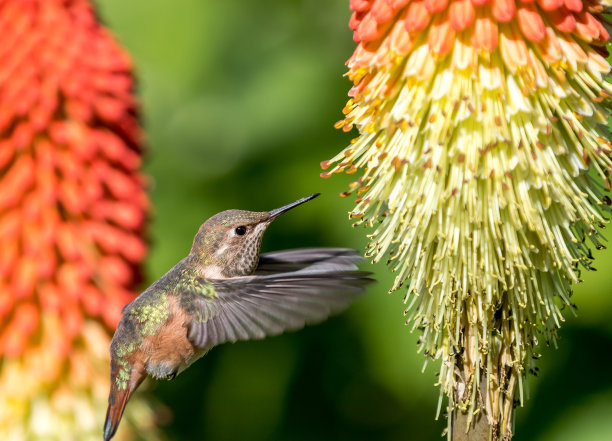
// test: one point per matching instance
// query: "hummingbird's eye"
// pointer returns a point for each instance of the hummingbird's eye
(241, 230)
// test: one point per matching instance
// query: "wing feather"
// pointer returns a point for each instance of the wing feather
(289, 289)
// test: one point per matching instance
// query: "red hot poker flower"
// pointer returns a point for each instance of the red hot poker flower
(72, 214)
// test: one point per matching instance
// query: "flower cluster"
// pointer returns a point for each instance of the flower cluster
(485, 159)
(72, 213)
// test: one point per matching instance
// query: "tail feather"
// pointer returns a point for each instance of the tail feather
(117, 400)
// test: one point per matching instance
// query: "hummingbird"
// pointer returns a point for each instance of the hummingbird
(225, 291)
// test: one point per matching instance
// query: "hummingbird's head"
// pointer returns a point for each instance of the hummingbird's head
(227, 244)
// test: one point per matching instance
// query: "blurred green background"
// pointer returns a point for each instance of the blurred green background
(238, 101)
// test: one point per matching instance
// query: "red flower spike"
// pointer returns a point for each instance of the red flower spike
(69, 159)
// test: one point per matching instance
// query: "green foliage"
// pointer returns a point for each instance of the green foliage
(239, 100)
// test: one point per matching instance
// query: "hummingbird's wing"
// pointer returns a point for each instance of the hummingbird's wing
(308, 286)
(308, 260)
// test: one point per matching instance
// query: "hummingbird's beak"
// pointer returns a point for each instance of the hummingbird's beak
(278, 211)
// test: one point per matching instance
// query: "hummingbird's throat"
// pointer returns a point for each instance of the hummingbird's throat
(245, 260)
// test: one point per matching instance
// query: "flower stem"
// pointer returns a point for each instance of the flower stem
(490, 415)
(478, 431)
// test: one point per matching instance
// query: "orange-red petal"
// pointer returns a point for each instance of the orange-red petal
(441, 35)
(574, 5)
(355, 19)
(604, 36)
(550, 5)
(485, 34)
(360, 5)
(573, 51)
(382, 11)
(587, 27)
(562, 19)
(418, 17)
(24, 277)
(435, 5)
(503, 10)
(399, 39)
(368, 29)
(461, 14)
(531, 23)
(513, 48)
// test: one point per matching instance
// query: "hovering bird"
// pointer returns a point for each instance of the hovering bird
(225, 291)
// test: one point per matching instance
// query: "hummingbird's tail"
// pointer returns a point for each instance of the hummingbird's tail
(117, 399)
(116, 404)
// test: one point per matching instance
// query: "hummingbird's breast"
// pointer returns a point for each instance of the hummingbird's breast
(168, 351)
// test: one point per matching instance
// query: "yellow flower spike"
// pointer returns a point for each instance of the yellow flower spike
(479, 121)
